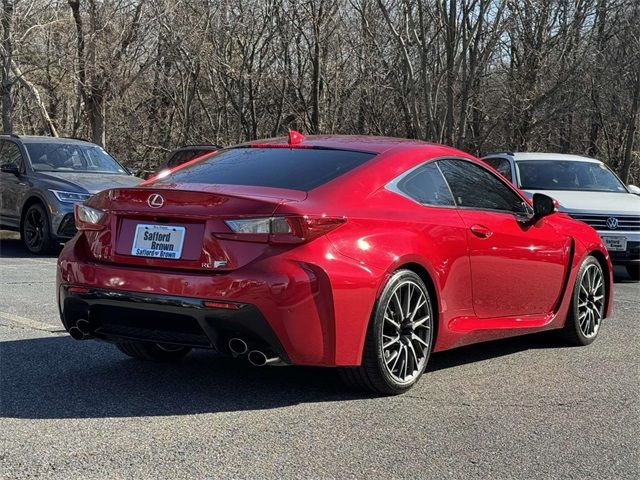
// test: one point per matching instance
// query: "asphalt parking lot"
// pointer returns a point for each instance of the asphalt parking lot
(519, 408)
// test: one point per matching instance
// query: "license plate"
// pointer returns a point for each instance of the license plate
(615, 244)
(158, 241)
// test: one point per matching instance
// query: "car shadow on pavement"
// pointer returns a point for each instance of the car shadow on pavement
(12, 247)
(620, 275)
(57, 377)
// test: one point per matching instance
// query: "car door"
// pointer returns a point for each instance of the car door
(12, 185)
(517, 268)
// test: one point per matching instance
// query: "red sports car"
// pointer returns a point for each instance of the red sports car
(362, 253)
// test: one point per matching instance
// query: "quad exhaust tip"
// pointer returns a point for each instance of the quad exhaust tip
(258, 358)
(81, 330)
(238, 346)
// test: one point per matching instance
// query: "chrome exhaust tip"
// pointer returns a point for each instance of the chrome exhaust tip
(84, 326)
(238, 346)
(260, 359)
(76, 334)
(81, 330)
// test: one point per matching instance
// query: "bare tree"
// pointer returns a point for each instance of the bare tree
(477, 74)
(7, 57)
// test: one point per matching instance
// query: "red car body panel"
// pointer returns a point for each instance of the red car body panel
(317, 297)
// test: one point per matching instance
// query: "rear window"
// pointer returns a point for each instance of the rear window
(295, 169)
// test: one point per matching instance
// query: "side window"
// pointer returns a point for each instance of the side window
(426, 185)
(476, 187)
(502, 165)
(10, 153)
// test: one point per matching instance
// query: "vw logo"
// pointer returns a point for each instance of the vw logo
(155, 200)
(612, 223)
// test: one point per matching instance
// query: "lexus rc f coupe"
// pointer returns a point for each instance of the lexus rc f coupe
(362, 253)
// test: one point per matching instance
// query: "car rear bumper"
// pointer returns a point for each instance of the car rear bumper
(118, 315)
(308, 312)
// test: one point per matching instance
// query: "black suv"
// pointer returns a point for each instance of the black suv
(42, 177)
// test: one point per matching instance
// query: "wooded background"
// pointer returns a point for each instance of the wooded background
(142, 77)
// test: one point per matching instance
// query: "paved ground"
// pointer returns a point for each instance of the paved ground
(523, 408)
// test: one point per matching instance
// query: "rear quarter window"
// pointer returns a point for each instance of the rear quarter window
(426, 185)
(295, 169)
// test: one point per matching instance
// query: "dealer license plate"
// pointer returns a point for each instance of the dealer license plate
(158, 241)
(615, 244)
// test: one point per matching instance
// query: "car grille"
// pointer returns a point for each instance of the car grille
(625, 223)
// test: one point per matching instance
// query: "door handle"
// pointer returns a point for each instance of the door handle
(481, 231)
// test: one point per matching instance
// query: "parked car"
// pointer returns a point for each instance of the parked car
(188, 152)
(363, 253)
(43, 177)
(587, 190)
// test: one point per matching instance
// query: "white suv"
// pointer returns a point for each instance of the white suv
(587, 190)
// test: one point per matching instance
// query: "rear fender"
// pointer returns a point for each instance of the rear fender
(446, 263)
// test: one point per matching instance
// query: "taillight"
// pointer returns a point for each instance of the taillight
(88, 218)
(294, 229)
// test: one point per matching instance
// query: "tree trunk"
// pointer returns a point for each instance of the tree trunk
(315, 93)
(81, 73)
(596, 116)
(96, 109)
(631, 131)
(5, 79)
(46, 119)
(450, 48)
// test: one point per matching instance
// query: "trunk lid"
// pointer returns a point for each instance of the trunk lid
(182, 220)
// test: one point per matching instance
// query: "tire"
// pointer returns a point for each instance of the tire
(633, 270)
(155, 352)
(588, 301)
(35, 231)
(393, 360)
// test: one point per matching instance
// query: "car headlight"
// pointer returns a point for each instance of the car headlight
(70, 197)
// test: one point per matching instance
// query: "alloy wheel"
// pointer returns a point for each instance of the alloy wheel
(34, 229)
(591, 300)
(406, 332)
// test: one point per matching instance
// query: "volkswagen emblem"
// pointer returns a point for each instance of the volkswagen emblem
(155, 200)
(612, 223)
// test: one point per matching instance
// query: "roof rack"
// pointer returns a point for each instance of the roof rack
(12, 135)
(503, 152)
(77, 138)
(199, 145)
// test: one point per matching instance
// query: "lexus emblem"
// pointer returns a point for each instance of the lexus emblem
(155, 200)
(612, 223)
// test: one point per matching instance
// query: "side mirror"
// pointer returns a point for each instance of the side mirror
(10, 168)
(543, 205)
(634, 189)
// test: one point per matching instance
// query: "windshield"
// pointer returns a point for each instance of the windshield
(72, 157)
(568, 175)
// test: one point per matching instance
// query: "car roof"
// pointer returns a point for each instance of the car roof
(362, 143)
(563, 157)
(45, 139)
(198, 147)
